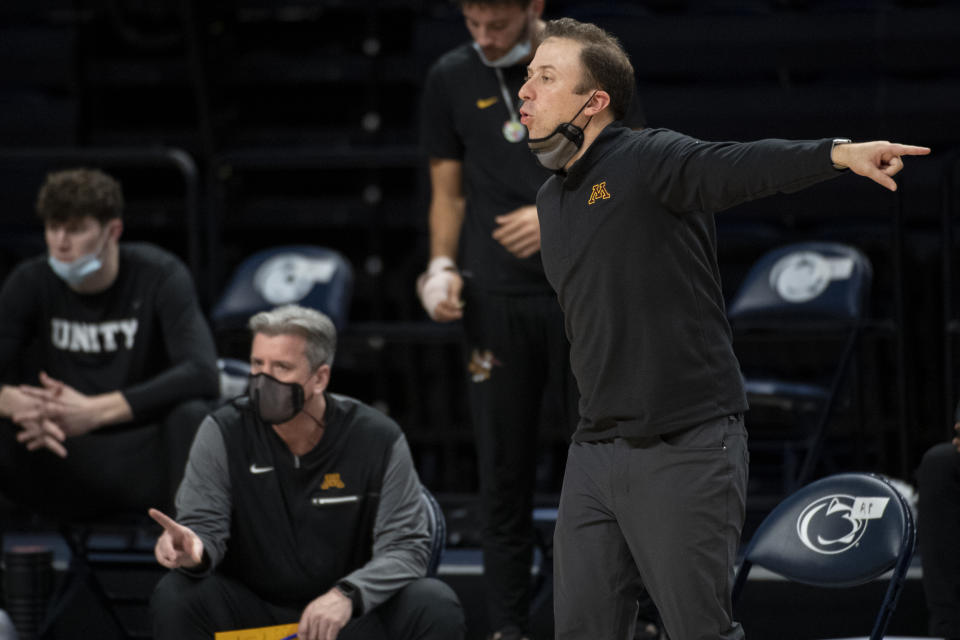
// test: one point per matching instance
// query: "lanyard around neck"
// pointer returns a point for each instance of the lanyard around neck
(506, 96)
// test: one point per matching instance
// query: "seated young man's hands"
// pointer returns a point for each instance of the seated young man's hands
(28, 412)
(56, 411)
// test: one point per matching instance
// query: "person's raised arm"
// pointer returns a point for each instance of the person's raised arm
(878, 160)
(440, 285)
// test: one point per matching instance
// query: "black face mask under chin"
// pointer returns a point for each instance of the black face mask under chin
(555, 150)
(274, 401)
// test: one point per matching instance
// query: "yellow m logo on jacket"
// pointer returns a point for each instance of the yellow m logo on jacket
(599, 192)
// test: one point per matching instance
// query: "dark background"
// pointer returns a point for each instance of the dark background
(296, 122)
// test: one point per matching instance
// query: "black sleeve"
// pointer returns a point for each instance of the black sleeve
(689, 175)
(438, 135)
(19, 298)
(189, 347)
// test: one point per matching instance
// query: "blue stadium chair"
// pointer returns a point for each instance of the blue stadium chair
(438, 531)
(797, 318)
(840, 531)
(310, 276)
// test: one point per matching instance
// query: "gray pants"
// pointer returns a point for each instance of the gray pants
(662, 513)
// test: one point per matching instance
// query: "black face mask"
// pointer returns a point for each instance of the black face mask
(274, 401)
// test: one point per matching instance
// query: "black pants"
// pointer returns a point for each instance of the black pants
(939, 530)
(115, 469)
(661, 513)
(185, 608)
(519, 378)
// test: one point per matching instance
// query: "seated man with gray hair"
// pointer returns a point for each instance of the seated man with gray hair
(299, 505)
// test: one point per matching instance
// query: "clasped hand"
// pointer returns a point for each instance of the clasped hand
(51, 413)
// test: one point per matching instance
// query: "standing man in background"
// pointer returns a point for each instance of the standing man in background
(485, 269)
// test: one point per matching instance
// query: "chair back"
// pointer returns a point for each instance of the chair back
(311, 276)
(840, 531)
(803, 283)
(438, 530)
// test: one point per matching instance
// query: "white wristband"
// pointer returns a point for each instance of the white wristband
(433, 285)
(441, 263)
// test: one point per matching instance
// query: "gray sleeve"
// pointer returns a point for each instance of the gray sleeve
(401, 539)
(203, 500)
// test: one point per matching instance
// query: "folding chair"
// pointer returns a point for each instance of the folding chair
(438, 531)
(840, 531)
(310, 276)
(793, 302)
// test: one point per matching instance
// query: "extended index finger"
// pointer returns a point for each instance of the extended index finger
(165, 521)
(910, 150)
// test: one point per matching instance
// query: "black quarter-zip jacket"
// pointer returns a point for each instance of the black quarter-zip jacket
(290, 527)
(629, 244)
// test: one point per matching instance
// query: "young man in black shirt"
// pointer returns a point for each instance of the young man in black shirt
(654, 489)
(107, 363)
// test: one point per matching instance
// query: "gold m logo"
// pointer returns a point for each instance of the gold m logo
(599, 193)
(332, 480)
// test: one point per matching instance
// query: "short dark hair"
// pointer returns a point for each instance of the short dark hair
(76, 193)
(605, 63)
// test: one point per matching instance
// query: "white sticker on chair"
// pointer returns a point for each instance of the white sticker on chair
(289, 277)
(836, 523)
(804, 275)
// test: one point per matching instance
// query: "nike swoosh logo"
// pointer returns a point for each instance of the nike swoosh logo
(255, 469)
(483, 103)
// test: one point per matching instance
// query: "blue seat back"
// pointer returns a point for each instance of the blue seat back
(842, 530)
(310, 276)
(804, 282)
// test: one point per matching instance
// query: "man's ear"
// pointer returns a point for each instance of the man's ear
(599, 102)
(115, 229)
(536, 7)
(322, 376)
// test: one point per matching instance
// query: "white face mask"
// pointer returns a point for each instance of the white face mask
(75, 272)
(519, 53)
